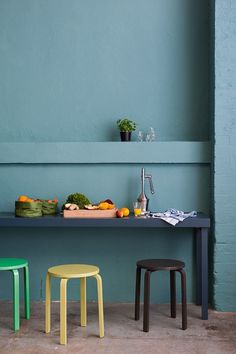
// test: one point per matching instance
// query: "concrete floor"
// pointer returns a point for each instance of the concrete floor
(123, 335)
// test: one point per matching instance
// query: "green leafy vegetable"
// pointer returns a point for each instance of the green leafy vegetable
(77, 198)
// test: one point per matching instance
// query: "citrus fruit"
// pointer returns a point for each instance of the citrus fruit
(103, 206)
(125, 211)
(22, 198)
(111, 206)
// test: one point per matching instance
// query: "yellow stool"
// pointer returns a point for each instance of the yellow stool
(66, 272)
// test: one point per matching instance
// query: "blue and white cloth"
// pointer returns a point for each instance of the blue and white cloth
(172, 216)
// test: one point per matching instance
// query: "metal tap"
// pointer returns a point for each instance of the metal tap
(143, 199)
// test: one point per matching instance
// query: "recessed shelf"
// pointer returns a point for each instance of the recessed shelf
(105, 152)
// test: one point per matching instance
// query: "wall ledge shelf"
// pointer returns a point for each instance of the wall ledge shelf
(106, 152)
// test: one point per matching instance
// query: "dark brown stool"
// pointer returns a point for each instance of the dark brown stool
(152, 265)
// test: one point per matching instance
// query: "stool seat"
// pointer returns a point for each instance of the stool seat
(160, 264)
(12, 263)
(69, 271)
(152, 265)
(66, 272)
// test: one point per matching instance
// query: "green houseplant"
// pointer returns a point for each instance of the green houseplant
(126, 127)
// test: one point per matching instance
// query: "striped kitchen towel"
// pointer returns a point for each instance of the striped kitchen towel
(172, 216)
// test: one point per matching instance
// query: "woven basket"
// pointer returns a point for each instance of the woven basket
(49, 208)
(28, 209)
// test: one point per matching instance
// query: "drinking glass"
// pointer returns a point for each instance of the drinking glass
(140, 136)
(152, 134)
(137, 208)
(148, 137)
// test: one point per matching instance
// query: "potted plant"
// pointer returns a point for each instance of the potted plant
(126, 127)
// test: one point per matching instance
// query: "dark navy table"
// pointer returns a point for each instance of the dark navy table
(200, 224)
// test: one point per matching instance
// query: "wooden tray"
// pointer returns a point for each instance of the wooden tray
(83, 213)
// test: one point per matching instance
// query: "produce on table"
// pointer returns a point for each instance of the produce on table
(24, 198)
(106, 204)
(109, 201)
(69, 206)
(91, 207)
(30, 207)
(103, 206)
(122, 212)
(77, 198)
(119, 213)
(125, 211)
(82, 202)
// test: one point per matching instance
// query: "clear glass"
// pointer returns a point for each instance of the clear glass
(137, 208)
(148, 137)
(152, 134)
(140, 136)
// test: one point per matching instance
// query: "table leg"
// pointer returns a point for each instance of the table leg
(198, 267)
(204, 271)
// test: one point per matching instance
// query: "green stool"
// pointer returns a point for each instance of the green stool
(13, 264)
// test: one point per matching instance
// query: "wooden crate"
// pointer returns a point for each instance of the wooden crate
(84, 213)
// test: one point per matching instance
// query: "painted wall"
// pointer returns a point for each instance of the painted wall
(68, 71)
(225, 153)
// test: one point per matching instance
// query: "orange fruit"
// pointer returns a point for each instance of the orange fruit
(125, 211)
(29, 200)
(111, 206)
(22, 198)
(103, 206)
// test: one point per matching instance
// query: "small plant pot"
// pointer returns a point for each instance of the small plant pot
(125, 136)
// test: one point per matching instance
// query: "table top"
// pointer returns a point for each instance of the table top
(10, 220)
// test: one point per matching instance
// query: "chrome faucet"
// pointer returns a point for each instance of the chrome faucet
(142, 197)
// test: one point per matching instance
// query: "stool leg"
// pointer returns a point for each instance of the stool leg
(146, 301)
(63, 311)
(100, 305)
(48, 304)
(172, 294)
(27, 292)
(83, 304)
(137, 293)
(184, 298)
(16, 300)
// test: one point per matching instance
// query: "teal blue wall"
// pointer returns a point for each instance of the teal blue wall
(68, 71)
(225, 153)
